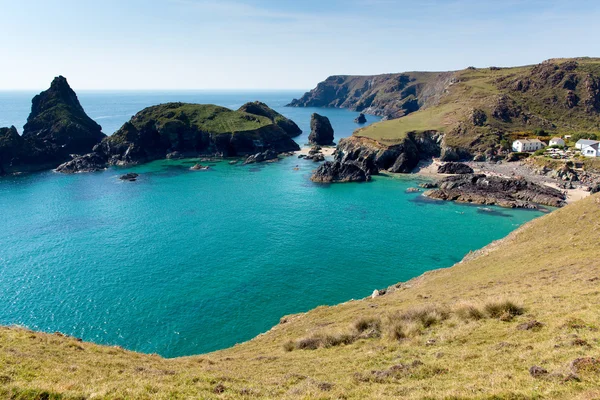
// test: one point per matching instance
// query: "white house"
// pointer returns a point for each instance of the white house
(557, 142)
(593, 150)
(581, 143)
(523, 145)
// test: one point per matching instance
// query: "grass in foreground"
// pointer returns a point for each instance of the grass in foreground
(473, 331)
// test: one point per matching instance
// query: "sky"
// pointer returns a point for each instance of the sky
(277, 44)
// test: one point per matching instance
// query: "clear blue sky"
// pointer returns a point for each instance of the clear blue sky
(245, 44)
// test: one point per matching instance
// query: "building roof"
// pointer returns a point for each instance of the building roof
(556, 139)
(587, 142)
(529, 141)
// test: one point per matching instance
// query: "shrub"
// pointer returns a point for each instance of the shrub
(470, 312)
(309, 343)
(504, 310)
(289, 346)
(539, 152)
(339, 339)
(427, 316)
(397, 331)
(540, 132)
(317, 341)
(367, 324)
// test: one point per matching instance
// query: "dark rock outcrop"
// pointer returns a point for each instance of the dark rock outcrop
(259, 108)
(260, 157)
(321, 131)
(91, 162)
(454, 168)
(56, 128)
(131, 177)
(361, 119)
(330, 172)
(490, 190)
(373, 156)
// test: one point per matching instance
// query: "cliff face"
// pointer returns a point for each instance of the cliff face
(389, 95)
(56, 128)
(478, 110)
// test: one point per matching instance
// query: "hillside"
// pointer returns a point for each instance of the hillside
(479, 110)
(472, 331)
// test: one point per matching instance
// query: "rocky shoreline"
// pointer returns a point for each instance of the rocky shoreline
(493, 190)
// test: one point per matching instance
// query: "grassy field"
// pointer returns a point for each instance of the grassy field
(208, 117)
(472, 331)
(535, 97)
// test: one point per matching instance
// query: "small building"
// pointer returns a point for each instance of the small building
(581, 143)
(527, 145)
(557, 142)
(592, 150)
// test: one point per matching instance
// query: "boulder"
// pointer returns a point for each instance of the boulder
(361, 119)
(199, 167)
(321, 131)
(330, 172)
(90, 162)
(454, 168)
(260, 157)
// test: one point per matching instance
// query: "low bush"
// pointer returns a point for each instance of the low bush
(367, 324)
(469, 312)
(504, 310)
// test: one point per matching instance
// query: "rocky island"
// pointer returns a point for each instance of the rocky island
(321, 131)
(191, 130)
(56, 128)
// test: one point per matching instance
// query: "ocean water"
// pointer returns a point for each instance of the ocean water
(184, 262)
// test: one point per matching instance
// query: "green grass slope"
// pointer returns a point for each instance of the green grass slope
(472, 331)
(482, 108)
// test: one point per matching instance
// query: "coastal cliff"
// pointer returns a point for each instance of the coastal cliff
(56, 128)
(388, 95)
(479, 111)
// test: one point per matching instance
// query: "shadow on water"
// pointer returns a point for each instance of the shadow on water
(424, 200)
(492, 212)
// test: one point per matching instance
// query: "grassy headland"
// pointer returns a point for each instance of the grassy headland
(472, 331)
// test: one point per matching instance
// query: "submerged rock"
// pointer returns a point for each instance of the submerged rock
(199, 167)
(330, 172)
(454, 168)
(490, 190)
(321, 131)
(131, 177)
(361, 119)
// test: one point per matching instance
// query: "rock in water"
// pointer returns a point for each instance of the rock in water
(193, 129)
(131, 177)
(330, 172)
(90, 162)
(58, 119)
(454, 168)
(260, 157)
(57, 128)
(321, 132)
(10, 146)
(259, 108)
(361, 119)
(505, 192)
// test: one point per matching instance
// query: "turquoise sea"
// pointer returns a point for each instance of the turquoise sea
(184, 262)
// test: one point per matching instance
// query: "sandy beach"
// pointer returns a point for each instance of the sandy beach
(326, 150)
